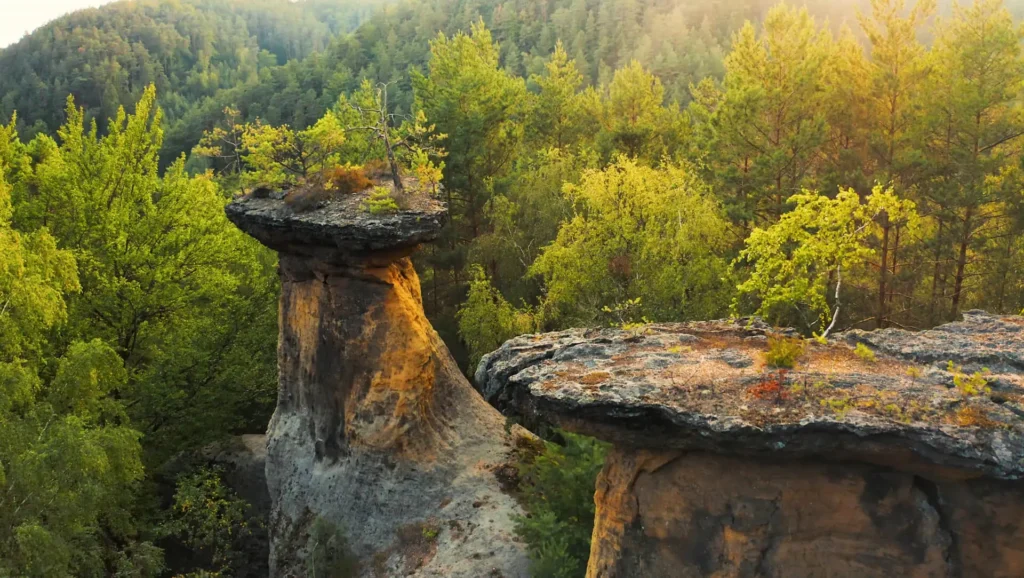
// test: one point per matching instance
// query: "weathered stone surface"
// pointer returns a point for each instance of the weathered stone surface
(845, 466)
(376, 430)
(979, 341)
(704, 386)
(696, 514)
(340, 228)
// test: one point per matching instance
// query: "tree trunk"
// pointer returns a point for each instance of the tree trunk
(883, 270)
(961, 264)
(892, 272)
(395, 175)
(935, 274)
(1004, 273)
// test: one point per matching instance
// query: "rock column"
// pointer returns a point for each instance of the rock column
(376, 434)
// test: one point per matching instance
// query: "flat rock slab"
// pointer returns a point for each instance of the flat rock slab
(341, 223)
(706, 386)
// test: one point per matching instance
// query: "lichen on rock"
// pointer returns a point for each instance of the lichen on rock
(705, 386)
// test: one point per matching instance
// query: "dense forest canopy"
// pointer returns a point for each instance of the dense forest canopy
(188, 49)
(604, 163)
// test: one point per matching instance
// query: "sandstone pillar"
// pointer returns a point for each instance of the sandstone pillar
(376, 431)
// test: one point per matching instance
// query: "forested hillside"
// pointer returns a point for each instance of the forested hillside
(604, 163)
(189, 49)
(682, 42)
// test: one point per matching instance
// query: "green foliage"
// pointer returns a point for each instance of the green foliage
(479, 109)
(380, 202)
(864, 352)
(784, 352)
(208, 517)
(974, 384)
(580, 192)
(430, 532)
(186, 300)
(625, 315)
(34, 277)
(766, 125)
(69, 461)
(486, 319)
(283, 157)
(637, 232)
(189, 49)
(558, 493)
(634, 123)
(409, 145)
(329, 555)
(797, 261)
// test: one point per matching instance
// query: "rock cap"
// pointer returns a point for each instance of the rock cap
(336, 226)
(706, 386)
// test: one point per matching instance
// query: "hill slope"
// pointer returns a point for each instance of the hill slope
(190, 49)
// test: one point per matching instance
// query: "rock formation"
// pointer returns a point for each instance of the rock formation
(880, 461)
(376, 431)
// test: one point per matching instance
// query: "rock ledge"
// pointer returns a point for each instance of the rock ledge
(704, 386)
(340, 224)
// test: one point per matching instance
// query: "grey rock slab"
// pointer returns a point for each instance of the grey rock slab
(341, 224)
(903, 408)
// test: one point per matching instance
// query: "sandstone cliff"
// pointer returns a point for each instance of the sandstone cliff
(376, 431)
(888, 463)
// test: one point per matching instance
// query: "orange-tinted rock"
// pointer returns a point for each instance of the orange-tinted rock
(376, 430)
(847, 466)
(702, 515)
(986, 517)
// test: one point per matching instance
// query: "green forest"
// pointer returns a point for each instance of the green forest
(605, 163)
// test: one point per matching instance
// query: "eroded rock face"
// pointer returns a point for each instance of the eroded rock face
(696, 514)
(376, 431)
(882, 464)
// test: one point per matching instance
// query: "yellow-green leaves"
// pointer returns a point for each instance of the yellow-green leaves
(637, 232)
(281, 156)
(34, 276)
(487, 320)
(799, 260)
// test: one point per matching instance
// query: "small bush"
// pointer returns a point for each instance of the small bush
(346, 180)
(558, 492)
(970, 416)
(862, 351)
(307, 198)
(783, 352)
(329, 555)
(771, 387)
(974, 384)
(211, 520)
(381, 202)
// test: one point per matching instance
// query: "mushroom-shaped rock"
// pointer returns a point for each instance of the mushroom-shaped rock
(881, 460)
(376, 431)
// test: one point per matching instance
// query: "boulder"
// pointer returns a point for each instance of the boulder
(376, 432)
(887, 460)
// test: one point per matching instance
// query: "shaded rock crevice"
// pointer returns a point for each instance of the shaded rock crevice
(930, 491)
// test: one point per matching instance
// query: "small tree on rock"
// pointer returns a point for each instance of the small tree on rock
(368, 109)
